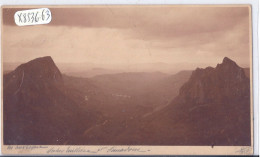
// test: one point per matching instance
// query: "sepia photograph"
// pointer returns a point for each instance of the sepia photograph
(129, 75)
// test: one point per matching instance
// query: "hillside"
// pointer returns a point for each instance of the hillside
(39, 108)
(209, 109)
(200, 107)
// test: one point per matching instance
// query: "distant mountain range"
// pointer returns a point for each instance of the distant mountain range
(201, 107)
(92, 70)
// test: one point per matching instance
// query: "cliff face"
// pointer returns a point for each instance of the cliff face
(42, 106)
(39, 108)
(40, 68)
(226, 82)
(212, 108)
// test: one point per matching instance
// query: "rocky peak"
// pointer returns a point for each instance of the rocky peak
(226, 60)
(226, 81)
(42, 68)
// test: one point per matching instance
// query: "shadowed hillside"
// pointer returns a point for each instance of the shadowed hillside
(39, 108)
(212, 108)
(201, 107)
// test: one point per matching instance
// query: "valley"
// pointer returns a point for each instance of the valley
(201, 107)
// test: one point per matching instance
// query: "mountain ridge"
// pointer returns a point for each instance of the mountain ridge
(211, 104)
(209, 108)
(216, 84)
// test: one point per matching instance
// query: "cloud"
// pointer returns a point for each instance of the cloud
(133, 34)
(162, 20)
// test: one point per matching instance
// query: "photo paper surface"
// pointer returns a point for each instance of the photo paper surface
(127, 80)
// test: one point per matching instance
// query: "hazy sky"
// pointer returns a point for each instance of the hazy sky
(133, 34)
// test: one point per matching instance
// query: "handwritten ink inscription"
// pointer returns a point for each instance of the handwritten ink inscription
(244, 150)
(112, 149)
(32, 17)
(97, 150)
(79, 149)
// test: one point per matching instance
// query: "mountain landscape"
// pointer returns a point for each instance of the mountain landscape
(210, 106)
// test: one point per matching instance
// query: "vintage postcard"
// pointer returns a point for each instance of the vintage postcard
(127, 80)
